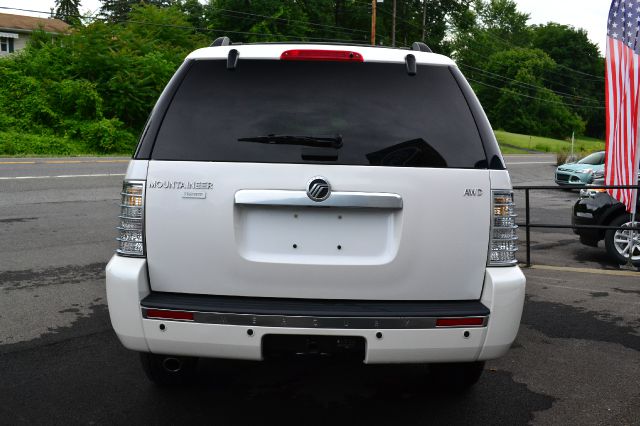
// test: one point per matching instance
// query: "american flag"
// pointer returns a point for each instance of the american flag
(622, 95)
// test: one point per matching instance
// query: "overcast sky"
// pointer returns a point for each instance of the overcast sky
(588, 14)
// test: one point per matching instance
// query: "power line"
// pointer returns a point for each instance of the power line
(594, 77)
(521, 83)
(477, 55)
(562, 94)
(588, 77)
(598, 77)
(192, 28)
(292, 20)
(532, 97)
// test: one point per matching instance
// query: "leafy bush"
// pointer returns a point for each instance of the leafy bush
(19, 143)
(76, 98)
(107, 136)
(91, 91)
(562, 157)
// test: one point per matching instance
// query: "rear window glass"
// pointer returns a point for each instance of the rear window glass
(383, 116)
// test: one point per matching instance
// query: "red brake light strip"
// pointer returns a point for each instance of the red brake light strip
(321, 55)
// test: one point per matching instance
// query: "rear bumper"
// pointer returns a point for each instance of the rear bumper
(127, 286)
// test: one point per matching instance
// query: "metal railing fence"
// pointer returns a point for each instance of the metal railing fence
(528, 225)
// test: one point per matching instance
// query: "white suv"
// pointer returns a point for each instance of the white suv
(333, 200)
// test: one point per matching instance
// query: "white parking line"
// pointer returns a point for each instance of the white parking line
(60, 176)
(585, 290)
(620, 273)
(527, 155)
(531, 162)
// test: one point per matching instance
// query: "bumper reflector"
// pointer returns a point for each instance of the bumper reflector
(170, 315)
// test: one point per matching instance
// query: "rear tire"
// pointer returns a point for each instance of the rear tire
(167, 370)
(616, 241)
(456, 377)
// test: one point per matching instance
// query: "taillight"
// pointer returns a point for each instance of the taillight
(131, 236)
(590, 192)
(321, 55)
(503, 245)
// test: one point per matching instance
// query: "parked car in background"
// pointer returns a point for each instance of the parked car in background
(582, 172)
(597, 207)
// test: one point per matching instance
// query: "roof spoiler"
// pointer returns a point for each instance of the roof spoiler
(221, 41)
(421, 47)
(417, 46)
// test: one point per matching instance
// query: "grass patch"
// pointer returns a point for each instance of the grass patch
(511, 150)
(583, 145)
(21, 144)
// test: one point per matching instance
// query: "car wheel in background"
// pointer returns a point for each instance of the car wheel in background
(618, 244)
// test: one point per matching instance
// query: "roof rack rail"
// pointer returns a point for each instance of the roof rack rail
(421, 47)
(221, 41)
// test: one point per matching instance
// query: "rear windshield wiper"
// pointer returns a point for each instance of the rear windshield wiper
(313, 141)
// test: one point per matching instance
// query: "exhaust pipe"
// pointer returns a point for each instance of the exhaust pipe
(172, 364)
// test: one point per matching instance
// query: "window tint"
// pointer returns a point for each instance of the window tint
(383, 116)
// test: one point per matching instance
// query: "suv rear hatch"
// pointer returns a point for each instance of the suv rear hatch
(227, 211)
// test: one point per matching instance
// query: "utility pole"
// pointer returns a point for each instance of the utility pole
(393, 26)
(424, 21)
(373, 22)
(573, 139)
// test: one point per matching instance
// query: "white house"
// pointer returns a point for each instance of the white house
(15, 30)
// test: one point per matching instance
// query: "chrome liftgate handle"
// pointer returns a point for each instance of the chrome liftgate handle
(354, 200)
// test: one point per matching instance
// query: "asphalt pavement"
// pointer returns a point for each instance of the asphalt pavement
(575, 361)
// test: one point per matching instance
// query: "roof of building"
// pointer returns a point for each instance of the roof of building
(31, 23)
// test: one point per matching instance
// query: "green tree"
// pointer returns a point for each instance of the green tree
(96, 86)
(194, 11)
(116, 10)
(488, 28)
(119, 10)
(258, 20)
(519, 102)
(579, 71)
(68, 11)
(131, 61)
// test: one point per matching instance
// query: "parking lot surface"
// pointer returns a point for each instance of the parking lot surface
(576, 359)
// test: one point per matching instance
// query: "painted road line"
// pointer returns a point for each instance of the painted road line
(17, 162)
(81, 161)
(61, 176)
(531, 162)
(585, 290)
(586, 270)
(65, 161)
(527, 155)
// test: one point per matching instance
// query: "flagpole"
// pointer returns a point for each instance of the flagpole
(622, 94)
(634, 196)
